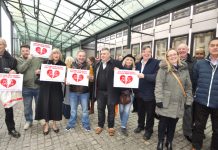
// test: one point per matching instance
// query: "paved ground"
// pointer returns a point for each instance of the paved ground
(78, 139)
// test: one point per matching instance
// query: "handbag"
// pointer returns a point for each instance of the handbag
(125, 97)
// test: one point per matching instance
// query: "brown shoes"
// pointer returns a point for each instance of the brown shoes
(98, 130)
(111, 131)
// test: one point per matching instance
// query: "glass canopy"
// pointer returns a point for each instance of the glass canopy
(66, 22)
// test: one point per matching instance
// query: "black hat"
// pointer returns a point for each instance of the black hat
(129, 55)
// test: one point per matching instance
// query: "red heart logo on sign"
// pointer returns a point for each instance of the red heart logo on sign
(77, 77)
(41, 51)
(53, 75)
(126, 80)
(5, 83)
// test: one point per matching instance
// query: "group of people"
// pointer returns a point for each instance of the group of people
(178, 86)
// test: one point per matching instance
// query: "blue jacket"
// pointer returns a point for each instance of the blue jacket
(147, 84)
(205, 80)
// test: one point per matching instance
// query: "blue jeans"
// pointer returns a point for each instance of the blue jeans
(75, 99)
(124, 112)
(28, 95)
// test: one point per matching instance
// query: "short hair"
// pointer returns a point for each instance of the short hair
(92, 59)
(25, 46)
(80, 51)
(216, 38)
(105, 49)
(3, 41)
(147, 47)
(55, 50)
(200, 50)
(182, 45)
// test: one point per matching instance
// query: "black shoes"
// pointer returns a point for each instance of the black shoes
(14, 133)
(147, 135)
(188, 138)
(138, 130)
(160, 145)
(124, 131)
(169, 145)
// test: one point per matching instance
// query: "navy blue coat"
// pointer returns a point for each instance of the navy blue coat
(147, 84)
(205, 79)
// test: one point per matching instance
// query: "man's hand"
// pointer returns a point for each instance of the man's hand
(12, 72)
(141, 75)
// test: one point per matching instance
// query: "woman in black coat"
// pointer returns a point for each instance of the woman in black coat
(50, 97)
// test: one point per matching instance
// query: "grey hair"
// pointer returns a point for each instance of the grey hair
(55, 50)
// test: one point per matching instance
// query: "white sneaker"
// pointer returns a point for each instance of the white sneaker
(27, 125)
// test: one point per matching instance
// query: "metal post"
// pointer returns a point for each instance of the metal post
(96, 46)
(0, 19)
(129, 35)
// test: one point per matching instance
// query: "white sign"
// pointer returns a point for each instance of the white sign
(54, 73)
(11, 82)
(126, 78)
(40, 49)
(77, 77)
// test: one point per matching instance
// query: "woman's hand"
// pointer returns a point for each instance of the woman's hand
(12, 72)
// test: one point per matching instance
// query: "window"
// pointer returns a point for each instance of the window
(178, 40)
(148, 25)
(137, 28)
(112, 51)
(119, 34)
(146, 44)
(205, 6)
(160, 48)
(125, 32)
(118, 52)
(201, 40)
(126, 51)
(163, 19)
(181, 13)
(135, 49)
(113, 36)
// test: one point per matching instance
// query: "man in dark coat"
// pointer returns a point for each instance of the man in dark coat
(148, 68)
(205, 79)
(8, 65)
(104, 91)
(187, 118)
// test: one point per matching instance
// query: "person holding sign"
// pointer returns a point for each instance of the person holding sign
(79, 94)
(50, 96)
(128, 63)
(148, 68)
(173, 91)
(27, 65)
(8, 65)
(104, 91)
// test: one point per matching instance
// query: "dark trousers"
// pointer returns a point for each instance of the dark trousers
(9, 119)
(103, 101)
(148, 108)
(187, 123)
(135, 104)
(166, 124)
(201, 115)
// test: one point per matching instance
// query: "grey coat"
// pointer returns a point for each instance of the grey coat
(168, 91)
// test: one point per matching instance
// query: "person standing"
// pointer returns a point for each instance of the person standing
(205, 79)
(27, 65)
(187, 118)
(79, 94)
(104, 91)
(8, 65)
(148, 68)
(128, 63)
(50, 99)
(173, 91)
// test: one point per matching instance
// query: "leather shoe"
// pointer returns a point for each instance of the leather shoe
(147, 135)
(188, 138)
(160, 145)
(14, 133)
(138, 130)
(169, 145)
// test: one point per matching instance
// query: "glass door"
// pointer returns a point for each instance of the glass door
(160, 48)
(135, 49)
(178, 40)
(112, 51)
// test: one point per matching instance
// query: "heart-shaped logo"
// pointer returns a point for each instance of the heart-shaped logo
(7, 84)
(52, 74)
(41, 51)
(126, 80)
(77, 77)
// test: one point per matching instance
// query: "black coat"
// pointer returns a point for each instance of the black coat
(113, 93)
(7, 63)
(50, 99)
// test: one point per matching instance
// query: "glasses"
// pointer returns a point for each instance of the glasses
(171, 55)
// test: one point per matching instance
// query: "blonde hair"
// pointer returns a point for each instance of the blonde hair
(68, 61)
(133, 62)
(55, 50)
(169, 65)
(3, 41)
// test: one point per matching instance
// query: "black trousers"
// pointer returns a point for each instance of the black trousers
(9, 119)
(103, 101)
(148, 108)
(166, 124)
(201, 115)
